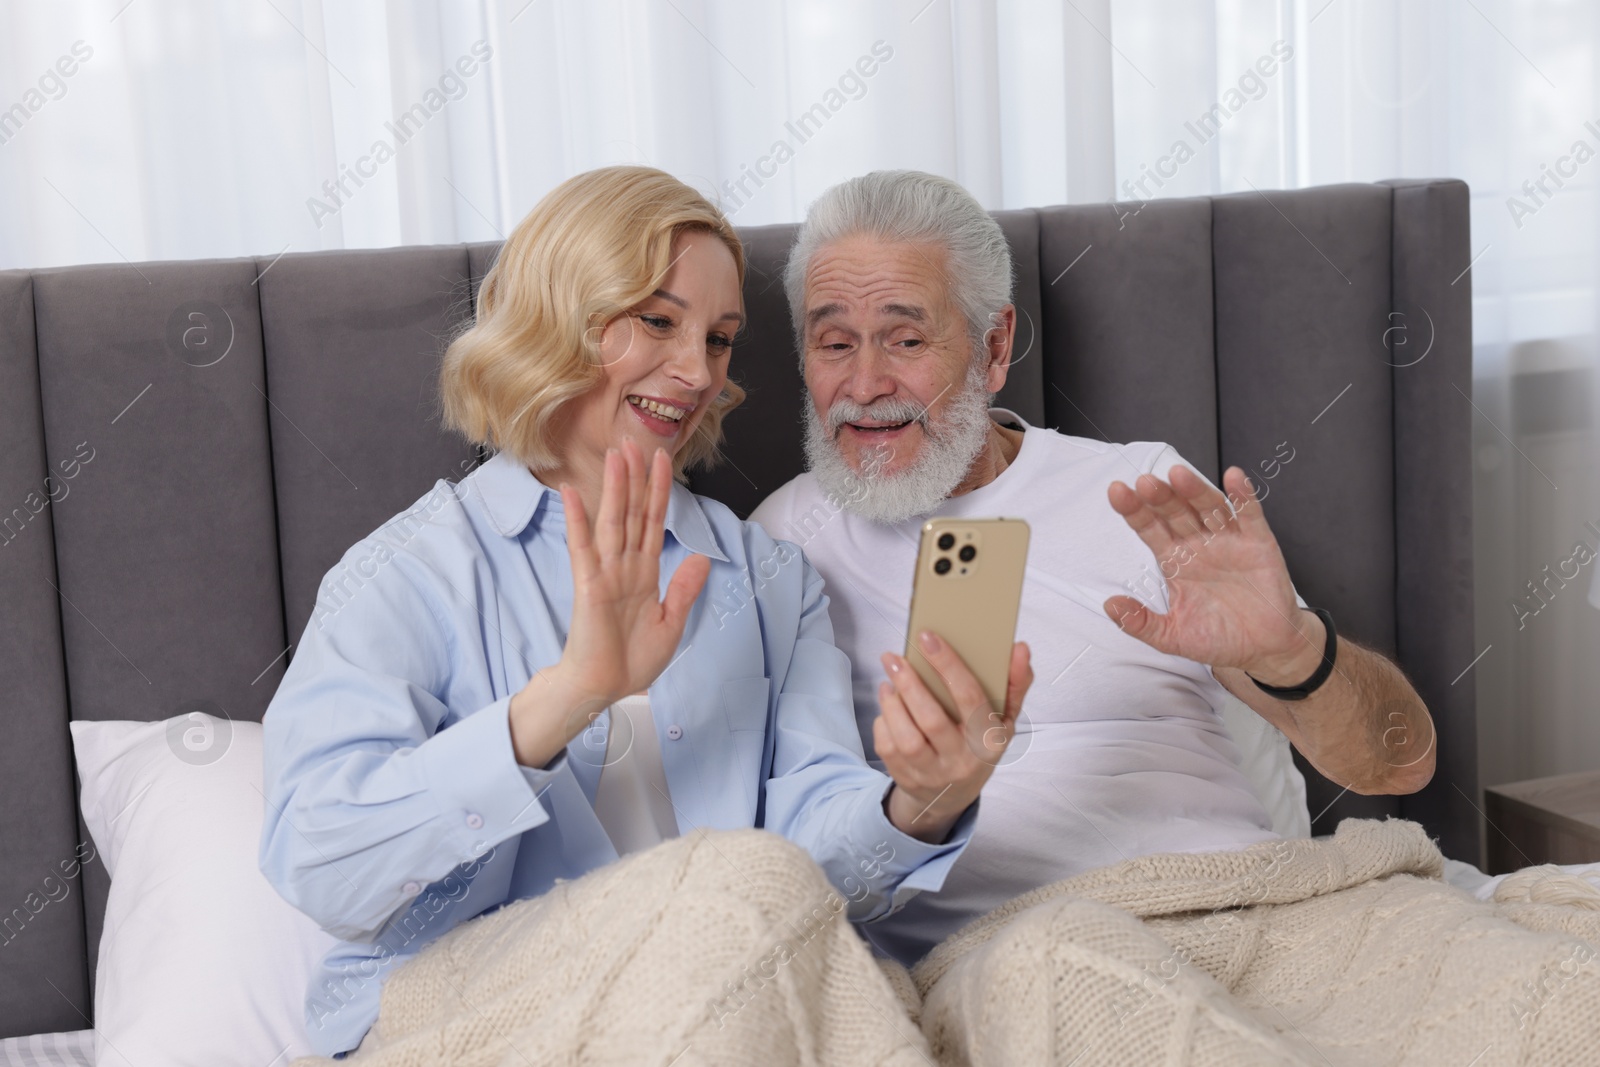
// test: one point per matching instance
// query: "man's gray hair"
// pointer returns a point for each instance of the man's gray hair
(910, 205)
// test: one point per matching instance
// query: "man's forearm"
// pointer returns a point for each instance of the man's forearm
(1364, 728)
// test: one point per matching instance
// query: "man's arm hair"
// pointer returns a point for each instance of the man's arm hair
(1364, 728)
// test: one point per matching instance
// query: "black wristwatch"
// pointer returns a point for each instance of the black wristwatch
(1309, 686)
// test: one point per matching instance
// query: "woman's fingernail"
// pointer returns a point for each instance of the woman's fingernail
(891, 663)
(930, 641)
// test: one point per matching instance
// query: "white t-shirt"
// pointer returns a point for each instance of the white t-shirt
(631, 798)
(1120, 749)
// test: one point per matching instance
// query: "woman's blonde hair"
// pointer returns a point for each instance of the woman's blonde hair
(594, 247)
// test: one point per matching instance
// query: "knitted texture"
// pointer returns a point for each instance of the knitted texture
(714, 948)
(731, 948)
(1346, 951)
(1547, 884)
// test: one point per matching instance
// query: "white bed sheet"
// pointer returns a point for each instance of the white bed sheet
(1466, 876)
(72, 1049)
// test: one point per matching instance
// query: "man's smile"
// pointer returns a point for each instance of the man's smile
(878, 427)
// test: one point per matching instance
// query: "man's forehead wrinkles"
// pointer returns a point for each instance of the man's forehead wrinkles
(865, 256)
(876, 283)
(858, 279)
(890, 306)
(929, 257)
(857, 289)
(871, 299)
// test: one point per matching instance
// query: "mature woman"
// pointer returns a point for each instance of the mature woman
(567, 656)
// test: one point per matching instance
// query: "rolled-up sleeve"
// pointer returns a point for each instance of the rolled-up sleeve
(822, 795)
(373, 786)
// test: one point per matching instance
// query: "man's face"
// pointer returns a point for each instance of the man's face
(887, 345)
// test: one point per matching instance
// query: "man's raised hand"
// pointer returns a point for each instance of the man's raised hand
(1229, 599)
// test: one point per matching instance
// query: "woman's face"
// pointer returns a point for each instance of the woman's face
(665, 359)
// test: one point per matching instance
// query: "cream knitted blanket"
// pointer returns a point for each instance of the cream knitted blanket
(715, 948)
(731, 948)
(1338, 952)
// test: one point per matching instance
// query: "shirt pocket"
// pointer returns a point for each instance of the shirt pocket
(744, 703)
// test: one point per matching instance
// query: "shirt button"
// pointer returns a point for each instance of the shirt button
(674, 732)
(411, 889)
(474, 820)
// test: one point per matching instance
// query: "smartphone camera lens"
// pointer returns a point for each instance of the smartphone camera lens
(967, 552)
(942, 564)
(947, 541)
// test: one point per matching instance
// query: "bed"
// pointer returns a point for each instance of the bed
(186, 447)
(72, 1049)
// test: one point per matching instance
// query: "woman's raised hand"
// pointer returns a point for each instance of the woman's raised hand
(622, 634)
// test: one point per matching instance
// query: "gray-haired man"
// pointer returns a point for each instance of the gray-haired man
(900, 289)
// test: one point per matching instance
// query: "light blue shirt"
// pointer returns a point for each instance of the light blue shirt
(396, 809)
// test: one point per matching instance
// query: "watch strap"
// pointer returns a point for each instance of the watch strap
(1324, 669)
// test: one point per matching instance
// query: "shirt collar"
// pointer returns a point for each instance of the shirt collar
(1007, 417)
(512, 496)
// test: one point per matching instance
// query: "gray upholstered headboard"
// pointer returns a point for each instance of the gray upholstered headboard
(247, 420)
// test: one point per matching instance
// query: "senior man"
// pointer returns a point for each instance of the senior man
(900, 289)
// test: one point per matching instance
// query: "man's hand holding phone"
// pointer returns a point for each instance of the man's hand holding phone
(939, 764)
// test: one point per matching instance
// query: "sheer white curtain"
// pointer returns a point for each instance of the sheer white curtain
(158, 129)
(197, 129)
(200, 129)
(1500, 93)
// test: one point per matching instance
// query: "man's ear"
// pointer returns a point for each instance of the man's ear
(998, 342)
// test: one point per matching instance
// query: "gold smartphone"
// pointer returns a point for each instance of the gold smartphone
(968, 589)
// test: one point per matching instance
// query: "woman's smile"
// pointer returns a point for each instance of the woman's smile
(660, 415)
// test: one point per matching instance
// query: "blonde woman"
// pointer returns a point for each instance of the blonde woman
(567, 656)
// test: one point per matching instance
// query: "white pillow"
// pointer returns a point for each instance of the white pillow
(202, 963)
(1267, 760)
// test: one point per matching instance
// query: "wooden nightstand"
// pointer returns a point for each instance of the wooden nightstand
(1543, 820)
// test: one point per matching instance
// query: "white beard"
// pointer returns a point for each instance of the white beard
(945, 457)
